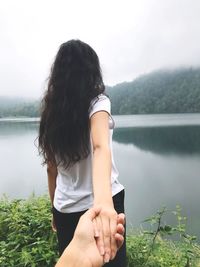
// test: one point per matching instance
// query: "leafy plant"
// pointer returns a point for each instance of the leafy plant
(154, 250)
(26, 238)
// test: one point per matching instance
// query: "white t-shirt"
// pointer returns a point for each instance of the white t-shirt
(74, 190)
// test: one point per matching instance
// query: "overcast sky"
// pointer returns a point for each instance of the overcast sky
(131, 38)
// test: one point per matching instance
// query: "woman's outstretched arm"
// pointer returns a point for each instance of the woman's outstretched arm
(101, 171)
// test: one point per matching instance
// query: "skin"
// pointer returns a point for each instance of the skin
(106, 222)
(52, 175)
(82, 250)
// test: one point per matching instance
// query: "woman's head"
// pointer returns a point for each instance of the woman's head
(75, 79)
(76, 70)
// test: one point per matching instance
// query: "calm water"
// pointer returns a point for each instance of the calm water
(157, 156)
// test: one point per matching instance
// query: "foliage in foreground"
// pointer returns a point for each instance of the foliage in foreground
(152, 249)
(26, 238)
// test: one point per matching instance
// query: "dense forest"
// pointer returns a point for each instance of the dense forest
(162, 91)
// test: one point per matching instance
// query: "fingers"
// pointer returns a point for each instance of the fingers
(53, 226)
(108, 232)
(121, 218)
(119, 236)
(96, 231)
(99, 239)
(120, 229)
(106, 238)
(113, 245)
(119, 240)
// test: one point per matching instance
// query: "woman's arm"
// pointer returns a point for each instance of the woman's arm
(52, 175)
(101, 172)
(101, 169)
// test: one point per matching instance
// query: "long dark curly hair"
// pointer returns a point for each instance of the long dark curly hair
(75, 80)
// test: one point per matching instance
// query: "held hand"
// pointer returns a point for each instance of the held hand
(84, 245)
(119, 236)
(84, 238)
(87, 236)
(82, 250)
(105, 226)
(53, 226)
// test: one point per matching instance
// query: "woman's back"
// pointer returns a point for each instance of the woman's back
(74, 190)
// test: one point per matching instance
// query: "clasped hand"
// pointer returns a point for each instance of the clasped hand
(105, 227)
(83, 250)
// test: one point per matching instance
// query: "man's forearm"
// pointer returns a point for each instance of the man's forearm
(71, 257)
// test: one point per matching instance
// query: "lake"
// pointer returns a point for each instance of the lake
(158, 157)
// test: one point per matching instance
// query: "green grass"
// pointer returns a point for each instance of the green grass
(26, 239)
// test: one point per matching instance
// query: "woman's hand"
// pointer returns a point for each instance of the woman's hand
(119, 236)
(105, 226)
(53, 225)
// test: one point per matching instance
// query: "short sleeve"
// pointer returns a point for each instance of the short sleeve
(100, 103)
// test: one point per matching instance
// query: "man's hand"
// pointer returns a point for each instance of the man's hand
(82, 250)
(85, 240)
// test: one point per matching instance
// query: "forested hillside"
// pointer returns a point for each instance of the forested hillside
(163, 91)
(18, 107)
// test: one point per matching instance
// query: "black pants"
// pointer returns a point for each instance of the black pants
(66, 224)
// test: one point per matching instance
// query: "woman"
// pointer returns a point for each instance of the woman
(75, 139)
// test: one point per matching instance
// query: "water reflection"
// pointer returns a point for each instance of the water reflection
(17, 128)
(162, 140)
(153, 180)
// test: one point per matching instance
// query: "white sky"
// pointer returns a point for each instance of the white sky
(131, 37)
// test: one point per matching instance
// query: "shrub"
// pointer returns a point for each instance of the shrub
(26, 238)
(152, 249)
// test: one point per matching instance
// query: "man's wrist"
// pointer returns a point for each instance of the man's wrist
(73, 257)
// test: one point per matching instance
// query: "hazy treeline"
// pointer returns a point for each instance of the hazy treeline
(162, 91)
(19, 107)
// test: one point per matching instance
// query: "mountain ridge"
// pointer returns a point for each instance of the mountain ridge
(161, 91)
